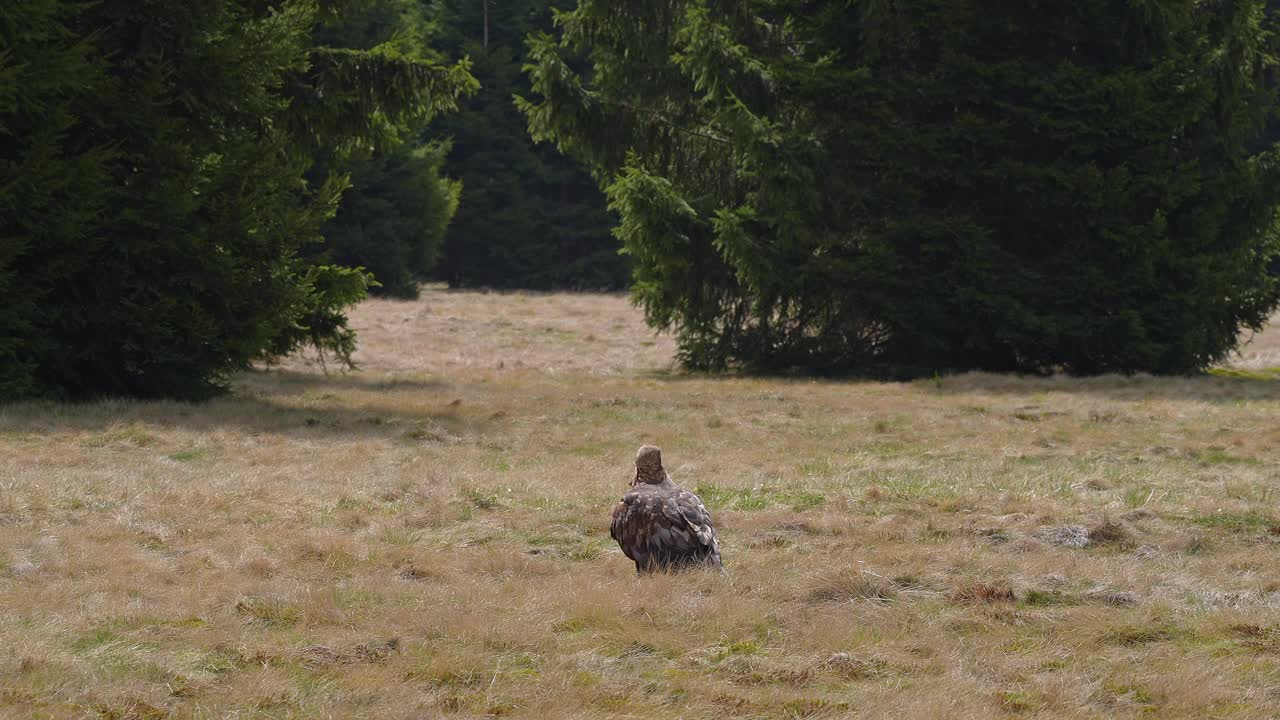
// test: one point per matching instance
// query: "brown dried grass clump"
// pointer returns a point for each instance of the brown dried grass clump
(847, 584)
(1109, 532)
(982, 592)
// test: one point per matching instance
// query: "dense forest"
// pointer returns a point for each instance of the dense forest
(820, 187)
(530, 217)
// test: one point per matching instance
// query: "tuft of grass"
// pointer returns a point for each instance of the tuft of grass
(483, 500)
(1018, 701)
(129, 709)
(133, 434)
(1131, 693)
(190, 455)
(801, 500)
(1136, 496)
(1109, 532)
(847, 666)
(1048, 598)
(846, 585)
(98, 637)
(982, 592)
(739, 648)
(820, 468)
(1141, 634)
(269, 610)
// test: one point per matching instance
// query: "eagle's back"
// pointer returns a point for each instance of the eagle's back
(664, 527)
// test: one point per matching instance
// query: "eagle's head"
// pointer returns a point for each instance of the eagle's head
(649, 466)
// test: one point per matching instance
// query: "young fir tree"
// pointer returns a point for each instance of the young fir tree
(392, 219)
(155, 201)
(528, 217)
(929, 184)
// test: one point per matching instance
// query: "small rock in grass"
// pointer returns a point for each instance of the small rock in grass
(1119, 599)
(1054, 580)
(1071, 536)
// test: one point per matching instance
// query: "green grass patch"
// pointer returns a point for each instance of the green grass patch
(1133, 692)
(821, 468)
(742, 647)
(190, 455)
(914, 486)
(1018, 701)
(95, 639)
(271, 611)
(594, 449)
(1048, 598)
(1270, 374)
(758, 497)
(1220, 456)
(1250, 521)
(1137, 496)
(209, 662)
(885, 450)
(1134, 635)
(483, 499)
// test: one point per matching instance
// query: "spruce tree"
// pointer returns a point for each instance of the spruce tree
(53, 175)
(929, 184)
(155, 200)
(392, 219)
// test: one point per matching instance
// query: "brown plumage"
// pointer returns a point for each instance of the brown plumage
(660, 525)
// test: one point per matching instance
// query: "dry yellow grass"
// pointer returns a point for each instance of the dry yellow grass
(426, 537)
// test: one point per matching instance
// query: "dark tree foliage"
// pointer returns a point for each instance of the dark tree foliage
(154, 203)
(929, 184)
(529, 217)
(392, 219)
(53, 176)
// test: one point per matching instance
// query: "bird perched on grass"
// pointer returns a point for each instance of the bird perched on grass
(660, 525)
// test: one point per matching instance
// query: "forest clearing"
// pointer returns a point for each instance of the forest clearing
(427, 536)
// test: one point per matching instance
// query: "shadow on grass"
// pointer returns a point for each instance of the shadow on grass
(1220, 385)
(293, 404)
(291, 382)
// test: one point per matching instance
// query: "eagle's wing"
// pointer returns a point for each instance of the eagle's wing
(663, 528)
(628, 526)
(620, 523)
(699, 521)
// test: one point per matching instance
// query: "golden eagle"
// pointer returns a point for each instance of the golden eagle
(660, 525)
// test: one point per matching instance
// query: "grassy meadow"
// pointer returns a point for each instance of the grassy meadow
(427, 537)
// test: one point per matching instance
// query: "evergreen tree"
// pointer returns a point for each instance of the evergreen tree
(929, 184)
(528, 216)
(392, 219)
(154, 202)
(53, 174)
